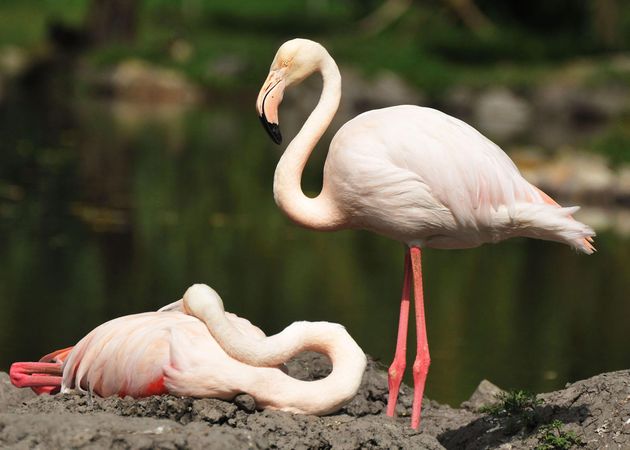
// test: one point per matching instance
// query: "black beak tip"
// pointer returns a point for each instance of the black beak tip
(272, 129)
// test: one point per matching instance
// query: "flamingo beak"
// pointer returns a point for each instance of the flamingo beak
(268, 101)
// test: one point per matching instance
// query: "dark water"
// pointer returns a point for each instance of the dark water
(110, 209)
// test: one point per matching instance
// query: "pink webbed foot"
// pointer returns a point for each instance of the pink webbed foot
(420, 371)
(394, 379)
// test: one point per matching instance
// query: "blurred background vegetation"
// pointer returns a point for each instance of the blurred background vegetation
(132, 164)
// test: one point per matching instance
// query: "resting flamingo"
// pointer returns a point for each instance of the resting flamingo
(410, 173)
(194, 348)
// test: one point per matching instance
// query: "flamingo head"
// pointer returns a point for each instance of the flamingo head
(203, 302)
(295, 60)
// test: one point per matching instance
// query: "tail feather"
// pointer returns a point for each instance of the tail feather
(585, 243)
(554, 223)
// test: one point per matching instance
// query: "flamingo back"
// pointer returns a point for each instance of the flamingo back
(418, 175)
(134, 355)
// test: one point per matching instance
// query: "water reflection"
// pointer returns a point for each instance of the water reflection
(107, 210)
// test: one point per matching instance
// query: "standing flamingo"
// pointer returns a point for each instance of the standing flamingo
(194, 348)
(410, 173)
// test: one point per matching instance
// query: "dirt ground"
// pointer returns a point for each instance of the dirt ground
(597, 410)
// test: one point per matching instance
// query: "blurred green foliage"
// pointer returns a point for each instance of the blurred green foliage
(428, 44)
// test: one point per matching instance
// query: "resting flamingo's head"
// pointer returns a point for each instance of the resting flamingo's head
(203, 302)
(295, 60)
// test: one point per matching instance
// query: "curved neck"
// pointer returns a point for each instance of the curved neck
(271, 387)
(318, 213)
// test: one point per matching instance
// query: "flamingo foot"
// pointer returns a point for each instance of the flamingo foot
(420, 371)
(394, 379)
(42, 377)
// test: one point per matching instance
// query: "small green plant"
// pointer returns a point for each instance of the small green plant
(518, 406)
(553, 437)
(512, 403)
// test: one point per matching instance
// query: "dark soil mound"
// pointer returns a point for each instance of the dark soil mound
(596, 410)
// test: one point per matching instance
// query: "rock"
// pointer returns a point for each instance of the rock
(245, 402)
(564, 101)
(485, 394)
(588, 172)
(599, 103)
(573, 174)
(501, 113)
(213, 411)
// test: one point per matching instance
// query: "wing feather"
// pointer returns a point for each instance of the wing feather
(464, 171)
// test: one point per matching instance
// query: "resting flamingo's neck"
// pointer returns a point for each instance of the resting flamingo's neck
(272, 387)
(318, 213)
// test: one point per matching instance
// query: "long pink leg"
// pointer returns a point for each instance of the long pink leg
(397, 369)
(423, 360)
(43, 377)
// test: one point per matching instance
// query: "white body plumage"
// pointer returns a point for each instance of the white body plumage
(422, 177)
(194, 348)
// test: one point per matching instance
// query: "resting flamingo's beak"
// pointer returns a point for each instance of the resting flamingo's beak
(268, 101)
